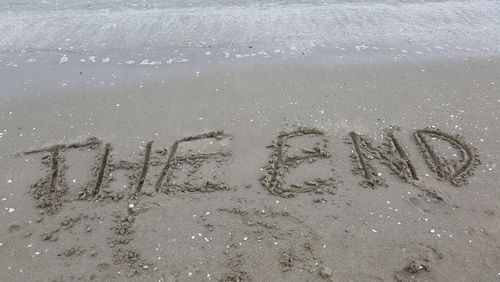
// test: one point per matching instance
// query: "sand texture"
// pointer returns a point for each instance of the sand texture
(240, 151)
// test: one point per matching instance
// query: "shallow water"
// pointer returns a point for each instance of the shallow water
(51, 5)
(172, 31)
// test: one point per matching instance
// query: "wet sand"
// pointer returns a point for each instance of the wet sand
(305, 169)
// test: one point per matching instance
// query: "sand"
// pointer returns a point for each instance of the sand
(354, 162)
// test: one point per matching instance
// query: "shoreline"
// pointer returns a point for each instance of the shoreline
(54, 33)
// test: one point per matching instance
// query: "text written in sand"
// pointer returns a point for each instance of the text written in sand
(199, 163)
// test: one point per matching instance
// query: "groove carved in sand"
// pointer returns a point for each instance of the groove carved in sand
(395, 157)
(455, 172)
(164, 183)
(51, 189)
(101, 171)
(273, 179)
(145, 167)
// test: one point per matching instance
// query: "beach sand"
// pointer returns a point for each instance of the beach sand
(354, 163)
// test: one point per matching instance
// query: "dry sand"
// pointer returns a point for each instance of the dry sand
(355, 163)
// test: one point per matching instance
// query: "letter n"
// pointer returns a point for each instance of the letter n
(395, 157)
